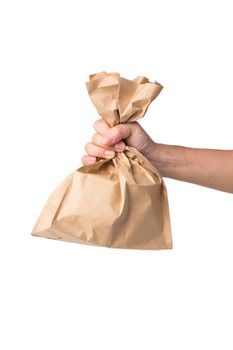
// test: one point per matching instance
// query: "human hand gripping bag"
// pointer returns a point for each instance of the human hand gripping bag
(120, 202)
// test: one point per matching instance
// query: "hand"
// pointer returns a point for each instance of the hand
(200, 166)
(106, 141)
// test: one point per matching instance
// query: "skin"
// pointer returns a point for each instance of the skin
(206, 167)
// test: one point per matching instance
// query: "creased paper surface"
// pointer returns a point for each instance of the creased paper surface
(120, 202)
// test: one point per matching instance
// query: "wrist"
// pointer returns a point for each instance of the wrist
(168, 159)
(157, 156)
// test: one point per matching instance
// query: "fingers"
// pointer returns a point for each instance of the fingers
(101, 126)
(116, 134)
(88, 160)
(106, 141)
(112, 135)
(97, 151)
(97, 139)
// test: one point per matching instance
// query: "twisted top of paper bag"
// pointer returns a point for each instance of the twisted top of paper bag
(119, 100)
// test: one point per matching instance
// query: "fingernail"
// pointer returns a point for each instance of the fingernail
(119, 146)
(107, 139)
(109, 154)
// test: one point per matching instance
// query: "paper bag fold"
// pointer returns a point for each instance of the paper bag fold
(120, 202)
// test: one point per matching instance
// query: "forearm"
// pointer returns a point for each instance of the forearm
(205, 167)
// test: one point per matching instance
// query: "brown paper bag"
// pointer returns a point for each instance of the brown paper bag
(120, 202)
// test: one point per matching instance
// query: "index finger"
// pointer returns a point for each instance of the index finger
(101, 126)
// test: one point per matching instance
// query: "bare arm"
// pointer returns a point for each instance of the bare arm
(206, 167)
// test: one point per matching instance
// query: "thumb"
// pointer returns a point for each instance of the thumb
(116, 134)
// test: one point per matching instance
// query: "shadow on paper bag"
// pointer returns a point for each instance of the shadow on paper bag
(120, 202)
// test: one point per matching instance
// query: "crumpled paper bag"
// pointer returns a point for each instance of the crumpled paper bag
(120, 202)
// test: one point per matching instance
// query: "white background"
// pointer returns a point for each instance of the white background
(57, 295)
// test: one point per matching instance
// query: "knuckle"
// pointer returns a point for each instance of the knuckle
(94, 138)
(87, 146)
(97, 123)
(124, 130)
(121, 128)
(100, 152)
(117, 132)
(83, 158)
